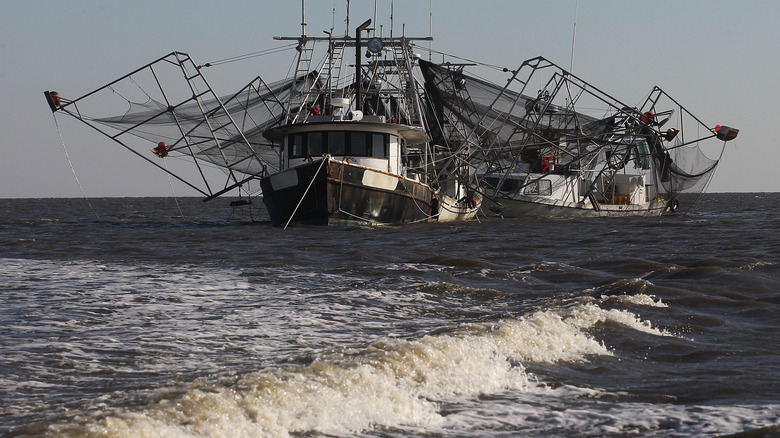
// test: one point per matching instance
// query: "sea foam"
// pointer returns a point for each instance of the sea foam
(389, 383)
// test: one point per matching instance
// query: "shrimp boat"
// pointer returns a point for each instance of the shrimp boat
(324, 147)
(568, 148)
(359, 152)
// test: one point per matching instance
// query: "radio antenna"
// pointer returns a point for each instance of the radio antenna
(573, 36)
(430, 29)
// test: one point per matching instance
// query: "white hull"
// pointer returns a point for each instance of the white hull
(513, 208)
(553, 195)
(452, 210)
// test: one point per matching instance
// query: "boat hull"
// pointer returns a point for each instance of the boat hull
(332, 192)
(513, 208)
(463, 210)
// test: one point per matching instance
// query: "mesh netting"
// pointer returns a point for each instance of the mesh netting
(226, 132)
(567, 125)
(171, 107)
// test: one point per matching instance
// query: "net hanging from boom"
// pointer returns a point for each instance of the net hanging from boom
(566, 121)
(173, 109)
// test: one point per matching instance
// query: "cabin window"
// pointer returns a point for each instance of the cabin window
(314, 144)
(510, 185)
(542, 187)
(296, 146)
(358, 146)
(379, 145)
(336, 143)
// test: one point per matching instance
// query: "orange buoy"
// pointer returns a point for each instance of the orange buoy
(161, 150)
(726, 133)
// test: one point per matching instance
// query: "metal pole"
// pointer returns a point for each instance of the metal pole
(358, 66)
(303, 18)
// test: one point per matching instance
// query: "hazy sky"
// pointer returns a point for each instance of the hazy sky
(719, 58)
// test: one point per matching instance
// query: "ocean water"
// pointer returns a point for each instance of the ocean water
(147, 317)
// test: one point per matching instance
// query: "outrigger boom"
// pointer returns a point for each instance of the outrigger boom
(172, 95)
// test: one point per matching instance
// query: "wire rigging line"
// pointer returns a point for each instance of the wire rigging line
(170, 182)
(313, 178)
(495, 67)
(72, 169)
(249, 55)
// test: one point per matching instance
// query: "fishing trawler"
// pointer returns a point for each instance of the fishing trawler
(322, 147)
(569, 149)
(395, 139)
(359, 153)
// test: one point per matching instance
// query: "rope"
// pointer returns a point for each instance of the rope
(411, 196)
(324, 159)
(360, 218)
(492, 66)
(341, 193)
(170, 183)
(249, 55)
(709, 180)
(72, 169)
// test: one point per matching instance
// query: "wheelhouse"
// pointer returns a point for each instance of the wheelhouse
(372, 144)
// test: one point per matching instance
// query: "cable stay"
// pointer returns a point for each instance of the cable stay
(73, 169)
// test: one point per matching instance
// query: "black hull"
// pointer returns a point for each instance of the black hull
(333, 192)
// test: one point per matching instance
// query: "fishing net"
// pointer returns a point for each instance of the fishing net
(561, 124)
(171, 107)
(566, 125)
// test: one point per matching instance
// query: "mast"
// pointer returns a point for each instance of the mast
(358, 66)
(392, 9)
(303, 18)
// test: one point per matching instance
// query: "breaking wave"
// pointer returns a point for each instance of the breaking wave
(387, 384)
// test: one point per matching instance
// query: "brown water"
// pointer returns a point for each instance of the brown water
(127, 319)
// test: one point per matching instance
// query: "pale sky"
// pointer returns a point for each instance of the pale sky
(719, 58)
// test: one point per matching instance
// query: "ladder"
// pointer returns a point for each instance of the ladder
(408, 91)
(318, 82)
(334, 61)
(301, 93)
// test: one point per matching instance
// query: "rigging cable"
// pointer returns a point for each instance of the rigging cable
(72, 169)
(494, 67)
(170, 182)
(249, 55)
(324, 159)
(709, 179)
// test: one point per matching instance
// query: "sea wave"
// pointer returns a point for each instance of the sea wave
(390, 383)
